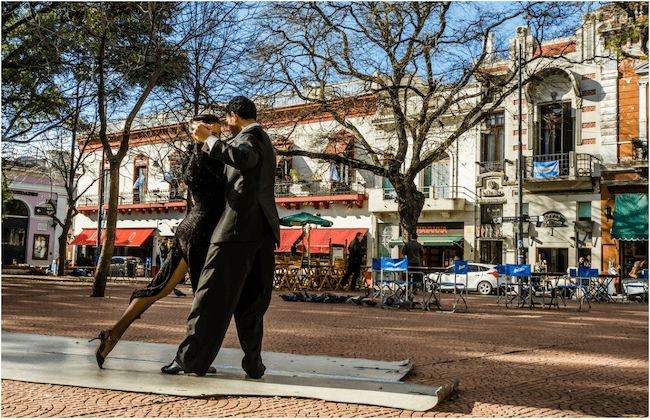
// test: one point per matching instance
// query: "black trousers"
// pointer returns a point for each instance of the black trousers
(354, 271)
(237, 280)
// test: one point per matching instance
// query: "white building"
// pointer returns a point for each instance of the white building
(568, 131)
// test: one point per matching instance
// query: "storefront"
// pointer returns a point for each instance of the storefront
(128, 242)
(441, 241)
(630, 229)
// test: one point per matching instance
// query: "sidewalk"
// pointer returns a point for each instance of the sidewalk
(510, 362)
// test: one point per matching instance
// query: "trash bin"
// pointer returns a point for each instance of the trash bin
(130, 269)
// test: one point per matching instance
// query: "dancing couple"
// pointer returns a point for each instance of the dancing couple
(226, 243)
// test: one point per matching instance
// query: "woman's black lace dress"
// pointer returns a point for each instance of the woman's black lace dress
(205, 178)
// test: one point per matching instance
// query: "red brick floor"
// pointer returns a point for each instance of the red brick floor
(510, 362)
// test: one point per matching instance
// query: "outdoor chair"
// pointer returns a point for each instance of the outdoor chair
(577, 288)
(459, 287)
(415, 282)
(522, 291)
(391, 282)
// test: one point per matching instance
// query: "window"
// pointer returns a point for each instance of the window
(140, 183)
(41, 247)
(584, 211)
(13, 236)
(389, 190)
(492, 145)
(524, 209)
(174, 177)
(435, 179)
(282, 169)
(489, 213)
(555, 136)
(440, 177)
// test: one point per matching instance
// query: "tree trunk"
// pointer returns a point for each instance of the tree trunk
(104, 263)
(63, 243)
(410, 202)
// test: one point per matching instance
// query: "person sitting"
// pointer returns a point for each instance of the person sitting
(635, 272)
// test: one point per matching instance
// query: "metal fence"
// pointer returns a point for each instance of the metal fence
(151, 197)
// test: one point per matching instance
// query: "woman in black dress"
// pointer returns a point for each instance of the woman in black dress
(204, 177)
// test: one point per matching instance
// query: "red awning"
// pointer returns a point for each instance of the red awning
(123, 237)
(287, 238)
(319, 239)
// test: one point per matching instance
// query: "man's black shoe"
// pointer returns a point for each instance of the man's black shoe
(172, 369)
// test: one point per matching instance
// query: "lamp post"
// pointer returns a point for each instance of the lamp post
(520, 174)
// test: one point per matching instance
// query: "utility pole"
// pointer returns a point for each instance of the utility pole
(520, 175)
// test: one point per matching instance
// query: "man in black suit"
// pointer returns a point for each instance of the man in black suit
(354, 261)
(237, 278)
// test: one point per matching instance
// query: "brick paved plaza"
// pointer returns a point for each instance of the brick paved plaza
(510, 362)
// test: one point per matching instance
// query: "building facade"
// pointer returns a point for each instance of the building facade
(579, 120)
(29, 233)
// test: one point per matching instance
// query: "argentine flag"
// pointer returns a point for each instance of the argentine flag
(169, 176)
(334, 176)
(139, 181)
(546, 169)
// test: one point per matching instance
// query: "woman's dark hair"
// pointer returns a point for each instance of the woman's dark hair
(243, 107)
(207, 118)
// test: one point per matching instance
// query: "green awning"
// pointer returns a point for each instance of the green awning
(631, 217)
(431, 240)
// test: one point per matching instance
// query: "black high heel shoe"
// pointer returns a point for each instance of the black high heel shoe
(103, 338)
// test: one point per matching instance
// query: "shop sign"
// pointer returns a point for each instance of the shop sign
(443, 229)
(554, 219)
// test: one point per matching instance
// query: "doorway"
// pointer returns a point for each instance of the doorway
(557, 259)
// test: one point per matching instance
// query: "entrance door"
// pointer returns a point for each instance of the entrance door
(491, 252)
(14, 233)
(557, 259)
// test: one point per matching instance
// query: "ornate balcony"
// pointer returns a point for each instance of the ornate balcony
(149, 202)
(561, 171)
(319, 194)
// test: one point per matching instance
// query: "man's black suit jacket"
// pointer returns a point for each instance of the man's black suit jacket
(249, 190)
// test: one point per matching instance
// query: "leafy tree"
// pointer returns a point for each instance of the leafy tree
(128, 51)
(35, 45)
(419, 63)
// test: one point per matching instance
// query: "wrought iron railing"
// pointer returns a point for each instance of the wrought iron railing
(583, 165)
(436, 192)
(317, 188)
(151, 197)
(485, 167)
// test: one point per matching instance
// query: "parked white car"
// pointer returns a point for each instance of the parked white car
(481, 278)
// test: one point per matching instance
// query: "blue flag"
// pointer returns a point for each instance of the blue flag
(334, 176)
(169, 176)
(546, 169)
(139, 181)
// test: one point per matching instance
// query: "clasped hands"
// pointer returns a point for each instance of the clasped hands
(202, 130)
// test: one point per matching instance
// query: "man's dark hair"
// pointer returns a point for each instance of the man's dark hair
(243, 107)
(414, 236)
(207, 118)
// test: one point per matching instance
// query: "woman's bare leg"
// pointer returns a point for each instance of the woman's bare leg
(139, 305)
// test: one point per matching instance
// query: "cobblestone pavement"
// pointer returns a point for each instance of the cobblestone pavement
(510, 362)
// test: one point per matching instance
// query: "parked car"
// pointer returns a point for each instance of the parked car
(481, 278)
(124, 266)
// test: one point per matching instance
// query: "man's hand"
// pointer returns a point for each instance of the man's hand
(202, 131)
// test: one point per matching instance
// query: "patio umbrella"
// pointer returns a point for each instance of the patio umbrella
(302, 219)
